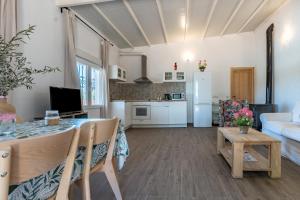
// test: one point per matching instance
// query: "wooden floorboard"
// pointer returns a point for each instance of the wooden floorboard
(182, 164)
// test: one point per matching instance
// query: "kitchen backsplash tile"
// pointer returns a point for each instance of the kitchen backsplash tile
(133, 91)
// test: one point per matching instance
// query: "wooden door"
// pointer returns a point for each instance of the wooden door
(242, 83)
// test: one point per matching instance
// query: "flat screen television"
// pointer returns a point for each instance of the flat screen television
(65, 100)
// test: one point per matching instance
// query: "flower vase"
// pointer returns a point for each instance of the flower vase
(7, 117)
(244, 129)
(5, 107)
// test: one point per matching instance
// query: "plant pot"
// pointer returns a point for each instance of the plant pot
(202, 69)
(244, 129)
(6, 107)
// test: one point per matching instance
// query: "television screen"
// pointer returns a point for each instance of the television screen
(65, 100)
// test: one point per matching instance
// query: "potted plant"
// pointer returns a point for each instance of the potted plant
(244, 119)
(202, 65)
(15, 70)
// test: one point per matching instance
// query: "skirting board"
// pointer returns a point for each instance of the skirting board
(159, 125)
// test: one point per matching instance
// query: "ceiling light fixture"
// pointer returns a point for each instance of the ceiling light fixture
(182, 21)
(287, 35)
(188, 56)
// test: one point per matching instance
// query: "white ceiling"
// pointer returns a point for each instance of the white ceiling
(132, 23)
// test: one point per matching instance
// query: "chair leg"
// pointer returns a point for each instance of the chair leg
(84, 185)
(86, 191)
(109, 171)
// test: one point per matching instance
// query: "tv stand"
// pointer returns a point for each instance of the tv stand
(74, 115)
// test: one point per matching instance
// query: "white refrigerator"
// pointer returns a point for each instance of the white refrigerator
(202, 100)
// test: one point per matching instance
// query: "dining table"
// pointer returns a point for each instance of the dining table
(46, 184)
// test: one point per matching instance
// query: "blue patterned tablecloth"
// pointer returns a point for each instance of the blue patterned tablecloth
(45, 185)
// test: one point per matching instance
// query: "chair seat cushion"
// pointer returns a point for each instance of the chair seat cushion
(292, 133)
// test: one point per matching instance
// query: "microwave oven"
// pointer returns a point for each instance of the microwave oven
(177, 96)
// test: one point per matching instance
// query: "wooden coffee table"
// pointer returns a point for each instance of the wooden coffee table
(240, 145)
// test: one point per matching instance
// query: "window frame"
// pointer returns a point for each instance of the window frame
(89, 65)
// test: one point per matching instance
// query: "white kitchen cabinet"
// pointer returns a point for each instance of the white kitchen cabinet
(160, 114)
(117, 73)
(122, 110)
(174, 76)
(178, 112)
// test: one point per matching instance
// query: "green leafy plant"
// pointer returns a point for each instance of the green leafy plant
(202, 65)
(15, 70)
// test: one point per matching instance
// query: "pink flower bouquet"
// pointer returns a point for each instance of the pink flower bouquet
(244, 117)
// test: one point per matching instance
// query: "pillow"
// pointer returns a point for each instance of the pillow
(296, 112)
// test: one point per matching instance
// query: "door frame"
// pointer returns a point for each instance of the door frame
(253, 80)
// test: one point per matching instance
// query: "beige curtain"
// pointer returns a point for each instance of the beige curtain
(8, 18)
(71, 76)
(8, 23)
(104, 80)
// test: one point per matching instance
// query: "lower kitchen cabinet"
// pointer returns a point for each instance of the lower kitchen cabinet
(151, 114)
(159, 114)
(122, 110)
(178, 112)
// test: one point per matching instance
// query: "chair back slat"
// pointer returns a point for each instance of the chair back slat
(104, 130)
(32, 157)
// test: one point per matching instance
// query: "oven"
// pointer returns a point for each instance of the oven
(141, 112)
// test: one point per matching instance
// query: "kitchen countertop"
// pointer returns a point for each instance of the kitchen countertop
(148, 100)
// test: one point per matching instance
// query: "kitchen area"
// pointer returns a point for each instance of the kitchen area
(147, 104)
(174, 100)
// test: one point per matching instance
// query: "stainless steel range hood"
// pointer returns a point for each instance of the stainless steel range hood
(143, 78)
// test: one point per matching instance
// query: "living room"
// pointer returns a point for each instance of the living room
(176, 75)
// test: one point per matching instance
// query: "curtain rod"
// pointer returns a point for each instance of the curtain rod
(79, 18)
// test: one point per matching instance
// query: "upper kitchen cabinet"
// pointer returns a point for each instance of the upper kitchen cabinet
(117, 73)
(174, 76)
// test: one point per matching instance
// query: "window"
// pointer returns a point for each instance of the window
(90, 79)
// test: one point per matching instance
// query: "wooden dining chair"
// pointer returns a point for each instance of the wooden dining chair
(24, 159)
(93, 133)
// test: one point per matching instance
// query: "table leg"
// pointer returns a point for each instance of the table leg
(275, 160)
(220, 141)
(237, 160)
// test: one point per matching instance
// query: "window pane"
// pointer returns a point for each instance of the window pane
(95, 87)
(82, 70)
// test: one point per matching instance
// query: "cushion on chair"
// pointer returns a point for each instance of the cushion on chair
(227, 108)
(292, 133)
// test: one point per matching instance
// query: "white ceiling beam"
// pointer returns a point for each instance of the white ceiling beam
(68, 3)
(131, 12)
(187, 18)
(112, 25)
(237, 8)
(212, 10)
(162, 20)
(253, 15)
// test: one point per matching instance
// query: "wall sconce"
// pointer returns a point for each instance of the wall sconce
(287, 35)
(188, 56)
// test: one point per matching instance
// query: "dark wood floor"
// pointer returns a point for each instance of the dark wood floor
(182, 163)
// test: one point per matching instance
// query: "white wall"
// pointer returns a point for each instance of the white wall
(220, 52)
(286, 55)
(46, 47)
